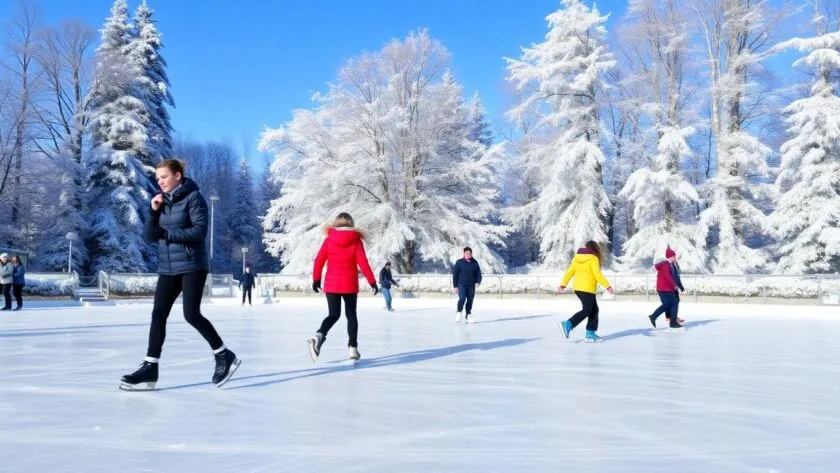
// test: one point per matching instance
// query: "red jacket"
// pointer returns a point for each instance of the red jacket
(345, 252)
(664, 279)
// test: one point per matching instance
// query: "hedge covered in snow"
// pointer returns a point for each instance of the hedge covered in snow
(49, 284)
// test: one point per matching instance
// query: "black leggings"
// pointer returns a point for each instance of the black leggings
(167, 291)
(589, 311)
(7, 294)
(17, 289)
(334, 304)
(247, 292)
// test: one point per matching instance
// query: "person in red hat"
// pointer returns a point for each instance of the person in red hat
(667, 287)
(345, 251)
(671, 256)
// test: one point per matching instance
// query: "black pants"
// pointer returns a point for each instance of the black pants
(334, 305)
(589, 311)
(7, 294)
(466, 293)
(17, 289)
(248, 292)
(167, 291)
(669, 305)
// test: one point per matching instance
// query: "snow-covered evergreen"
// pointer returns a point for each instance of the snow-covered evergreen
(243, 221)
(660, 196)
(390, 143)
(53, 247)
(119, 190)
(269, 190)
(562, 79)
(152, 85)
(806, 220)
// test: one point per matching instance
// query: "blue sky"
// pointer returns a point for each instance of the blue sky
(236, 66)
(239, 65)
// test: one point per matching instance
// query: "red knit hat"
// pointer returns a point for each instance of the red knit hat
(670, 253)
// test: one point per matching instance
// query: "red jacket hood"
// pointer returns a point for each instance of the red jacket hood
(343, 237)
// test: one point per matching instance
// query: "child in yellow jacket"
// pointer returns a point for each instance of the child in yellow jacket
(586, 270)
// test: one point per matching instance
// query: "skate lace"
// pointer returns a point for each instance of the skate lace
(145, 366)
(220, 364)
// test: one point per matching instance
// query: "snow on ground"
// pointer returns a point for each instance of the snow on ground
(747, 388)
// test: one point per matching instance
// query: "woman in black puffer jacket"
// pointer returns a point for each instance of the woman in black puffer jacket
(178, 223)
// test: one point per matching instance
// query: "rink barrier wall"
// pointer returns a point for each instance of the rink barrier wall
(817, 289)
(813, 289)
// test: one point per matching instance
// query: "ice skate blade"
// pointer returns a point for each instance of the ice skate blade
(675, 329)
(593, 340)
(138, 387)
(310, 343)
(233, 368)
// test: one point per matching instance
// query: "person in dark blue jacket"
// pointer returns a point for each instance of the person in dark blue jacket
(386, 279)
(19, 280)
(671, 255)
(466, 275)
(178, 224)
(247, 283)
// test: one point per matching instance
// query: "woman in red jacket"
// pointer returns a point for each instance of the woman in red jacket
(344, 250)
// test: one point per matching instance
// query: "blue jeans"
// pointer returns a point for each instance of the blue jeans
(466, 293)
(669, 306)
(386, 292)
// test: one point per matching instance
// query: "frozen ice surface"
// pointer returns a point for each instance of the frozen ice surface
(744, 389)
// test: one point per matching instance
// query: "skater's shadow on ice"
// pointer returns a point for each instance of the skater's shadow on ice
(33, 332)
(383, 361)
(515, 319)
(648, 332)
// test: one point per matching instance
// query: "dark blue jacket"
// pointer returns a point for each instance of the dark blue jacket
(386, 278)
(180, 228)
(20, 275)
(466, 273)
(247, 281)
(675, 271)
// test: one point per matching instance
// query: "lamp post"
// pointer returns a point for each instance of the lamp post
(244, 251)
(213, 199)
(70, 237)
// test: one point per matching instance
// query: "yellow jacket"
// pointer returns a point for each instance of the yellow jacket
(586, 269)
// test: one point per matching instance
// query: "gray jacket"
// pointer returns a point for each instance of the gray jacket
(7, 272)
(180, 228)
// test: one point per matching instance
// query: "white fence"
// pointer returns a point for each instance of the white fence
(824, 289)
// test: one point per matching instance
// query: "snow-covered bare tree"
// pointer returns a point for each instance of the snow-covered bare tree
(390, 143)
(152, 85)
(269, 190)
(562, 80)
(655, 44)
(64, 57)
(807, 216)
(736, 35)
(119, 189)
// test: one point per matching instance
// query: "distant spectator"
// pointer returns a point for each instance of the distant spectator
(18, 281)
(7, 276)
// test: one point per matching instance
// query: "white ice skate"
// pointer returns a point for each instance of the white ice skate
(470, 319)
(458, 318)
(354, 353)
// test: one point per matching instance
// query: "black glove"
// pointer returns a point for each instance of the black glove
(316, 286)
(375, 289)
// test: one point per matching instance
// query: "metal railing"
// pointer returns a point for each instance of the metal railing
(820, 289)
(104, 284)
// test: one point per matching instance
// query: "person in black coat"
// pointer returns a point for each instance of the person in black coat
(386, 279)
(178, 224)
(466, 275)
(246, 283)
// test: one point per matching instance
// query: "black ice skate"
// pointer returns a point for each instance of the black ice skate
(144, 379)
(226, 364)
(675, 326)
(315, 345)
(652, 320)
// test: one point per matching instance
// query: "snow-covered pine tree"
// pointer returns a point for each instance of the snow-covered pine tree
(389, 143)
(659, 193)
(806, 220)
(243, 222)
(53, 247)
(563, 77)
(152, 85)
(736, 37)
(119, 190)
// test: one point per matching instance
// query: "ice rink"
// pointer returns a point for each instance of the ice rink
(747, 388)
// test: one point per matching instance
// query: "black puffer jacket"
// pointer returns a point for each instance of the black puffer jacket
(180, 228)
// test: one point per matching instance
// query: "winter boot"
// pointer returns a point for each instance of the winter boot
(226, 364)
(566, 328)
(144, 379)
(315, 345)
(354, 353)
(592, 337)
